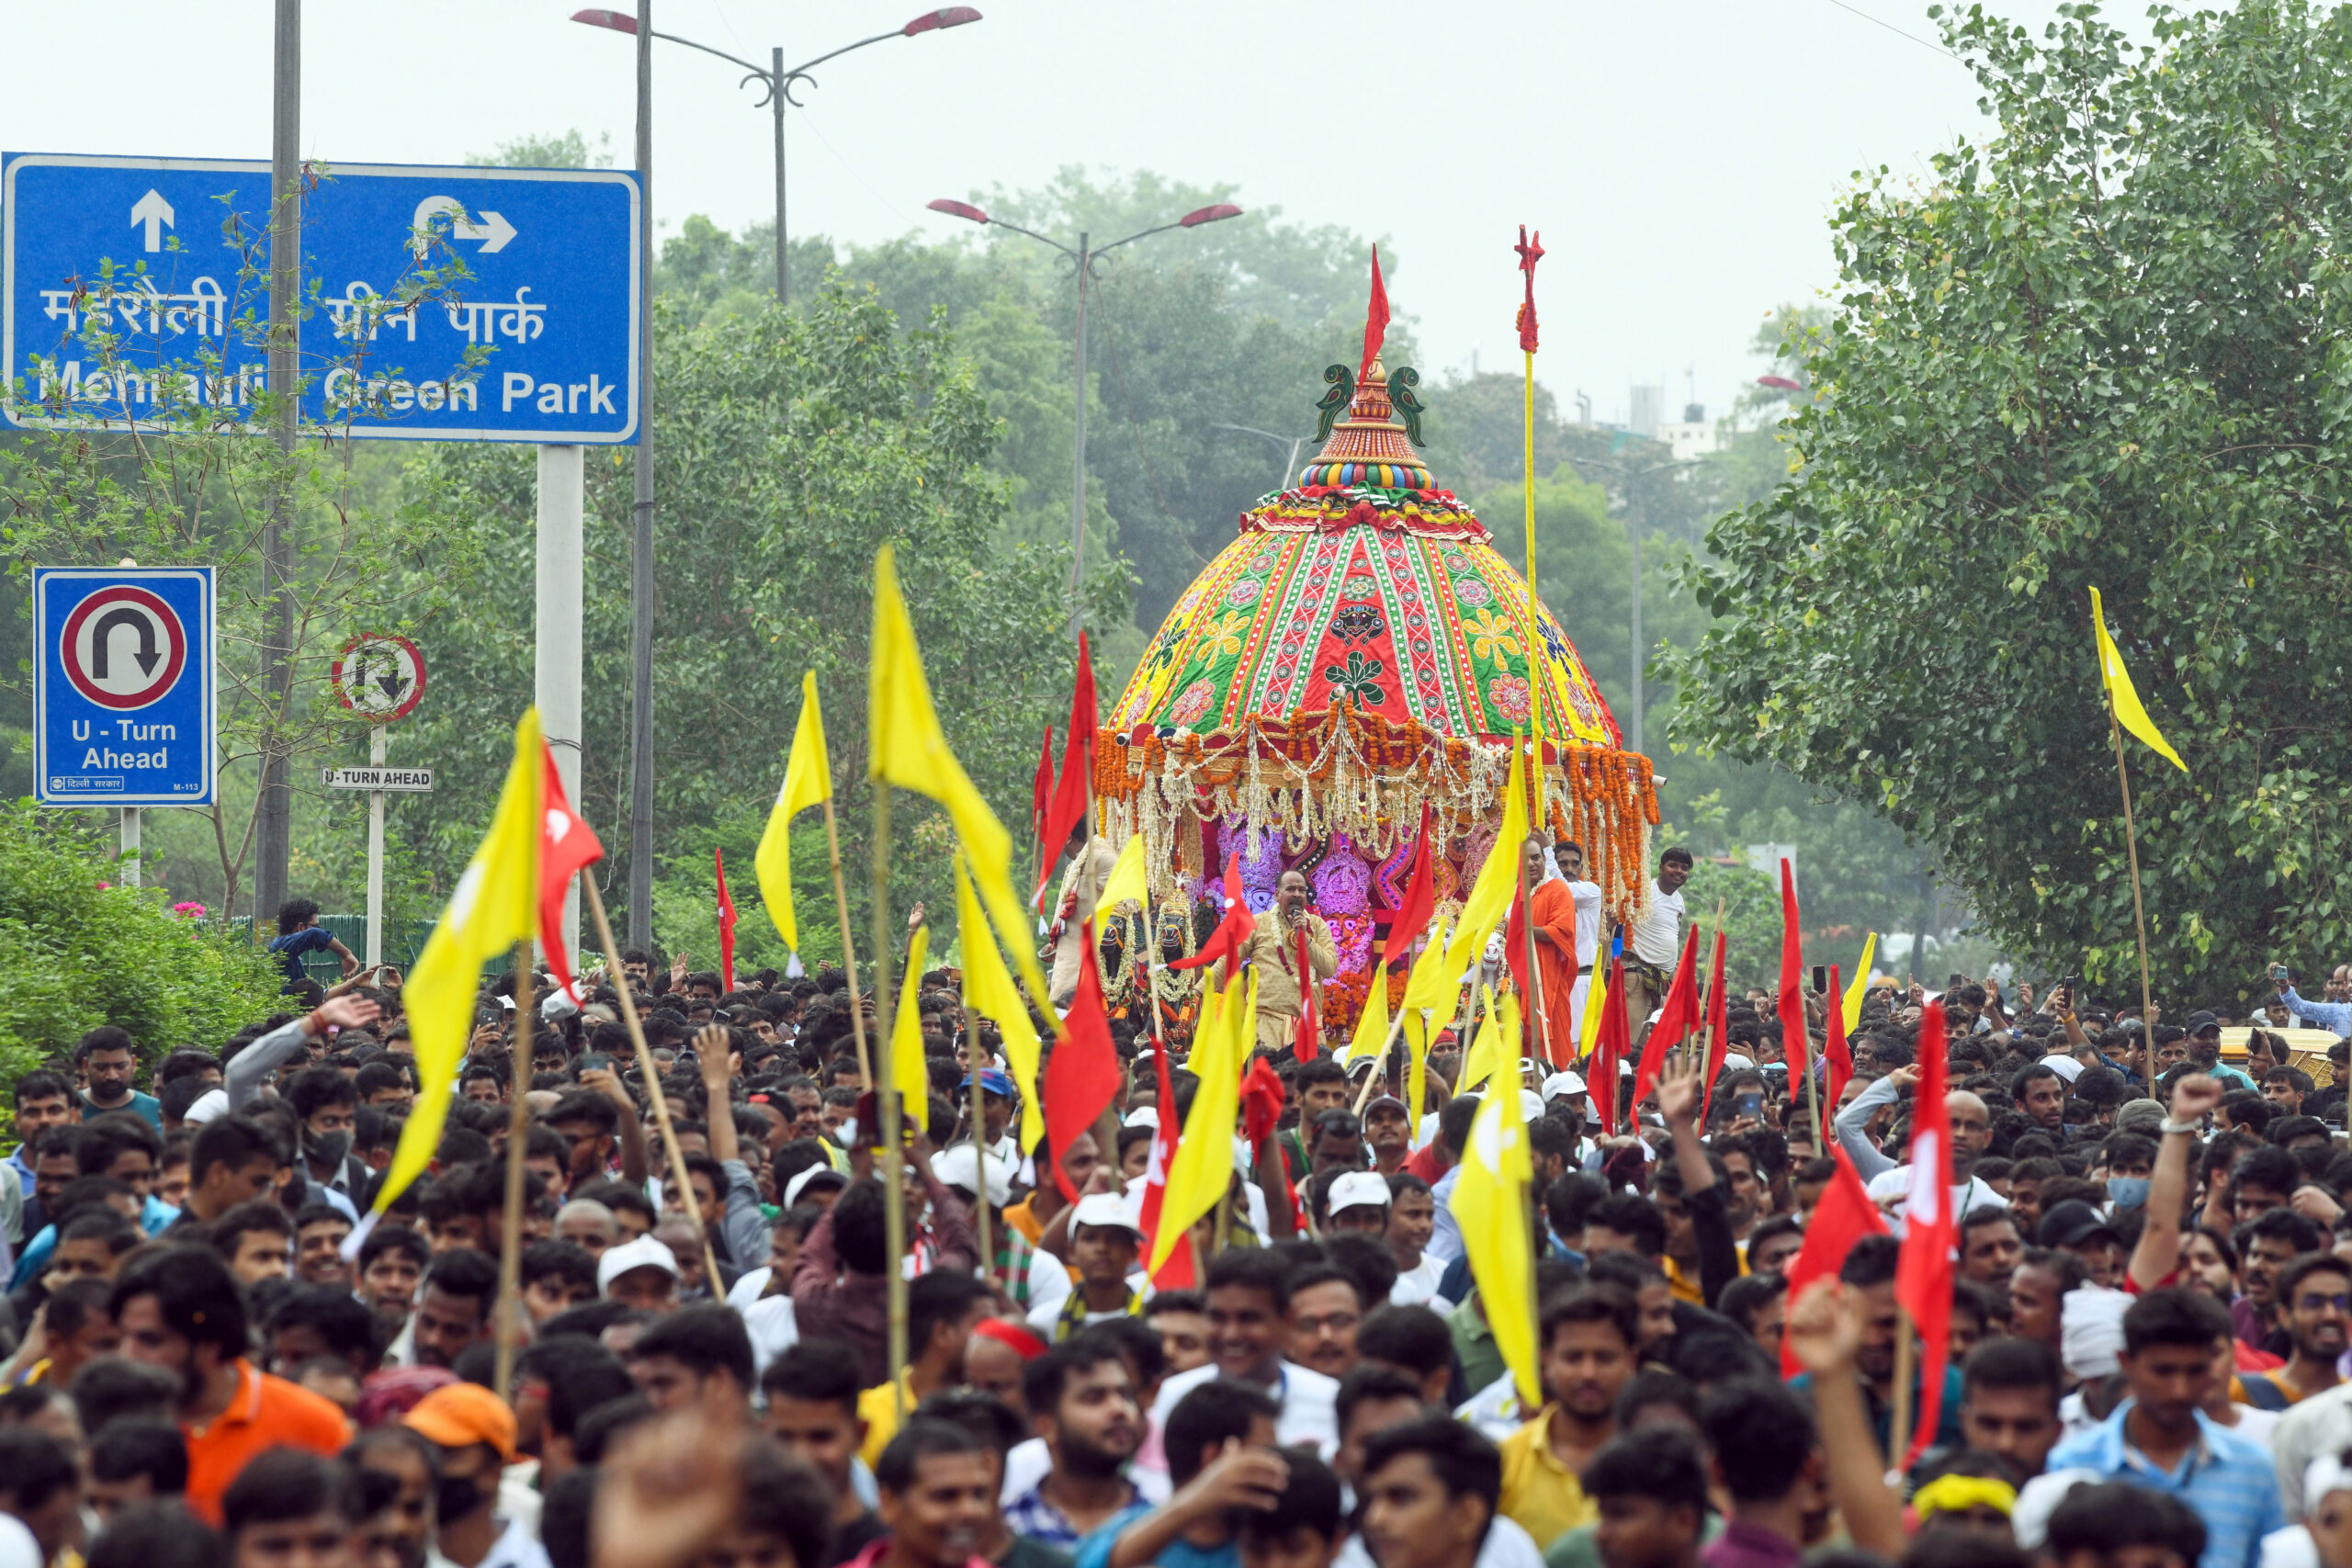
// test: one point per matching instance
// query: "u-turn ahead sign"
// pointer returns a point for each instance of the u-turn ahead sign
(123, 693)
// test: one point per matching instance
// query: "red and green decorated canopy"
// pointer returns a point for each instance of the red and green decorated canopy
(1361, 651)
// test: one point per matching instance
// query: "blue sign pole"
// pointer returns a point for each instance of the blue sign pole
(465, 304)
(124, 690)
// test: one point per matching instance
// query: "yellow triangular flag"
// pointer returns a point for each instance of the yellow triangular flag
(1595, 995)
(907, 748)
(1126, 881)
(990, 993)
(1490, 895)
(1202, 1169)
(1852, 1004)
(1372, 1026)
(1489, 1054)
(910, 1075)
(2121, 698)
(1487, 1200)
(1432, 983)
(807, 781)
(494, 905)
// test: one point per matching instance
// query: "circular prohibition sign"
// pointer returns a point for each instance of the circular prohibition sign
(105, 672)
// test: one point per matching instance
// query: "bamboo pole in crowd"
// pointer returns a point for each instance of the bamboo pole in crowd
(652, 1075)
(518, 1135)
(2139, 913)
(973, 1062)
(1898, 1430)
(849, 947)
(886, 1095)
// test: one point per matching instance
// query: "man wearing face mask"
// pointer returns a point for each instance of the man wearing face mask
(326, 1107)
(475, 1432)
(2131, 1161)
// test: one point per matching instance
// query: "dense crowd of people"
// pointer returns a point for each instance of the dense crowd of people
(2147, 1346)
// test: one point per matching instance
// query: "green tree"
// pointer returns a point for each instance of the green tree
(793, 445)
(2103, 348)
(75, 952)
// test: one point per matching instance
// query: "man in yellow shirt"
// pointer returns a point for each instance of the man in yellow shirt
(943, 1308)
(1589, 1339)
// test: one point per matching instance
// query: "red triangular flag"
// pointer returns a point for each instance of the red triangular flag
(1307, 1035)
(1072, 792)
(1796, 1038)
(1233, 933)
(1677, 1016)
(726, 924)
(1421, 900)
(1835, 1049)
(1718, 1031)
(1084, 1072)
(1176, 1274)
(566, 846)
(1923, 1277)
(1041, 788)
(1843, 1217)
(1609, 1047)
(1375, 320)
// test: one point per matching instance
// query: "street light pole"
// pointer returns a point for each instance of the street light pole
(1290, 463)
(776, 84)
(1078, 447)
(1084, 258)
(1633, 516)
(640, 552)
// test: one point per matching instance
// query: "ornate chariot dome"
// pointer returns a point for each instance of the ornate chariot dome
(1361, 651)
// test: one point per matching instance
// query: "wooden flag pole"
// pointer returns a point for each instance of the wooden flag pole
(849, 948)
(652, 1084)
(886, 1095)
(518, 1134)
(979, 1153)
(2139, 913)
(1898, 1430)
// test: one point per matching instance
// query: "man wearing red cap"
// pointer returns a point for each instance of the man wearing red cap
(475, 1432)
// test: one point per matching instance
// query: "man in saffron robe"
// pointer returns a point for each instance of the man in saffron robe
(1554, 908)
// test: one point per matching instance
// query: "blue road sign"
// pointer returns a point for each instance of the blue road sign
(127, 285)
(123, 685)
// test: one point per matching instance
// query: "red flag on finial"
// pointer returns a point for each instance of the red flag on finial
(1375, 320)
(1530, 252)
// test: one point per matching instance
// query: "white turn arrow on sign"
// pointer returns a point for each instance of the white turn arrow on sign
(154, 212)
(493, 231)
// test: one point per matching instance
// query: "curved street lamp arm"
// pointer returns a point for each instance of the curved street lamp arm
(761, 72)
(1000, 223)
(1131, 239)
(800, 72)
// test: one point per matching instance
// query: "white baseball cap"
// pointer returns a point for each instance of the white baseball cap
(954, 1168)
(1105, 1211)
(1143, 1116)
(1359, 1190)
(802, 1182)
(1531, 1105)
(643, 1253)
(1563, 1084)
(209, 1106)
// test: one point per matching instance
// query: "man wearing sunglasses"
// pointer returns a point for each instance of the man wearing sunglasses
(2314, 1308)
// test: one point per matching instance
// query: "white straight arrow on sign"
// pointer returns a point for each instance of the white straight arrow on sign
(154, 212)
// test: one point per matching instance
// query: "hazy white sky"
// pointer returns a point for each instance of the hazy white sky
(1680, 159)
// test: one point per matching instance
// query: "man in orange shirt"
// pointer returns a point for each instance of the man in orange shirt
(180, 1309)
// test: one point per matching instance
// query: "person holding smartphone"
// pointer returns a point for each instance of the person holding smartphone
(2334, 1017)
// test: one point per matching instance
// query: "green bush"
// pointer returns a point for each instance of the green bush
(75, 952)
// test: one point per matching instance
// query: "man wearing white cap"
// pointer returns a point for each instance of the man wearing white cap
(1104, 1242)
(1358, 1201)
(642, 1273)
(1033, 1278)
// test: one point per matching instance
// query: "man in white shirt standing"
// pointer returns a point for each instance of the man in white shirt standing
(1248, 1298)
(1654, 940)
(1568, 856)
